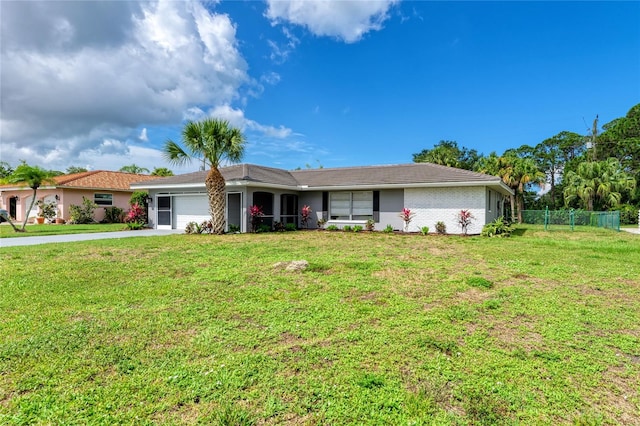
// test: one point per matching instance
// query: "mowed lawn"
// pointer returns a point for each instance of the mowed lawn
(541, 328)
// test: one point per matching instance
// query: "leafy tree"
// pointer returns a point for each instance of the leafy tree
(161, 171)
(598, 184)
(5, 169)
(621, 140)
(75, 169)
(553, 154)
(132, 168)
(33, 177)
(210, 141)
(447, 153)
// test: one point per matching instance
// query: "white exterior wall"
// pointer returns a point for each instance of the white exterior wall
(433, 205)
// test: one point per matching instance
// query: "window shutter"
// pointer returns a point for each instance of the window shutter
(376, 206)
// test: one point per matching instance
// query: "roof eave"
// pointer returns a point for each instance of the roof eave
(304, 188)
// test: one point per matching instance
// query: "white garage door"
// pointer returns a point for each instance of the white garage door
(190, 208)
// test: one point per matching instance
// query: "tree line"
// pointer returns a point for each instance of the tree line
(595, 171)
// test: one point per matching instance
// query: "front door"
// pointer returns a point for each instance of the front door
(234, 212)
(164, 212)
(13, 207)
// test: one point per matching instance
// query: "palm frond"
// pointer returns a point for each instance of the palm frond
(174, 153)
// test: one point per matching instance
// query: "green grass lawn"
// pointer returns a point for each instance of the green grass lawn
(541, 328)
(7, 231)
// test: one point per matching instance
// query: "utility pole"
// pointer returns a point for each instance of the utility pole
(594, 135)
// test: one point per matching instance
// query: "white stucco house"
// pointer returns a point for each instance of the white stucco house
(341, 196)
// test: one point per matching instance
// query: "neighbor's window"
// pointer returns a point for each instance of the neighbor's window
(103, 199)
(356, 205)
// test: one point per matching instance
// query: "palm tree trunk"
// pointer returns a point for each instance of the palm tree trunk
(16, 229)
(26, 214)
(512, 198)
(217, 201)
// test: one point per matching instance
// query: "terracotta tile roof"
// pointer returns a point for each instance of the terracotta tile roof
(102, 179)
(96, 179)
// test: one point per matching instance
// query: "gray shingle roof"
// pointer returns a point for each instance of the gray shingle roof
(398, 174)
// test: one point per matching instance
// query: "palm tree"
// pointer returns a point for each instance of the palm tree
(133, 168)
(598, 183)
(210, 141)
(516, 172)
(526, 172)
(161, 171)
(33, 177)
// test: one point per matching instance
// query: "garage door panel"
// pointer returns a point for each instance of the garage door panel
(191, 208)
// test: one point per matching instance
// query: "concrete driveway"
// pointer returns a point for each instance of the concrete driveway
(68, 238)
(632, 230)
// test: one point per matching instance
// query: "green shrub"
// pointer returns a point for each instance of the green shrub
(264, 228)
(290, 227)
(233, 228)
(139, 198)
(113, 215)
(497, 228)
(424, 230)
(346, 228)
(193, 228)
(628, 214)
(357, 228)
(441, 227)
(82, 214)
(332, 228)
(134, 226)
(47, 210)
(371, 225)
(388, 229)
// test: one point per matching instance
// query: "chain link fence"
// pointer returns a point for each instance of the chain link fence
(572, 218)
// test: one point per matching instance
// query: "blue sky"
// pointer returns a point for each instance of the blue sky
(309, 82)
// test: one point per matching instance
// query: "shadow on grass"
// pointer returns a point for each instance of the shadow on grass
(519, 232)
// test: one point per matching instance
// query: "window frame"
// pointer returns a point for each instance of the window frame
(340, 197)
(106, 201)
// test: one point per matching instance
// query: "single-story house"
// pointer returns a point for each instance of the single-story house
(105, 188)
(341, 196)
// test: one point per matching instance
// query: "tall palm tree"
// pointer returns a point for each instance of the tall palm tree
(33, 177)
(210, 141)
(516, 172)
(598, 183)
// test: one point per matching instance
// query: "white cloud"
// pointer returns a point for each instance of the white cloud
(78, 76)
(347, 20)
(271, 78)
(236, 118)
(143, 135)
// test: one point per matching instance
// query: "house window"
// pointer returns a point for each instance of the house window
(489, 200)
(356, 205)
(103, 199)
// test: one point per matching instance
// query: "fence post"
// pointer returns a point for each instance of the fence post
(546, 218)
(572, 219)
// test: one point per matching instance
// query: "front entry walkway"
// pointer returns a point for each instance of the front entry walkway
(68, 238)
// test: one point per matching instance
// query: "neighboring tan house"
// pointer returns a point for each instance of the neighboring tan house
(341, 196)
(105, 188)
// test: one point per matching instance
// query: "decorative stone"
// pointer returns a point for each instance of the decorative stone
(294, 265)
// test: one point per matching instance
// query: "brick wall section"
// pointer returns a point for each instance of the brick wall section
(432, 205)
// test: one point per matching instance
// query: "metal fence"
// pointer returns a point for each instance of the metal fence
(572, 218)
